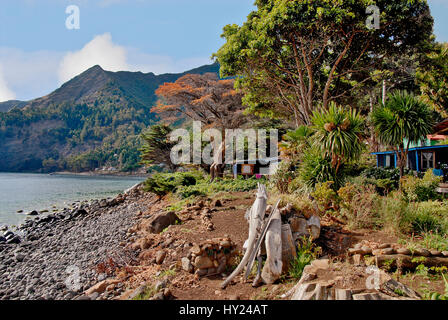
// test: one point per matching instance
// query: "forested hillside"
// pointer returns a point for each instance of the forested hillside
(92, 121)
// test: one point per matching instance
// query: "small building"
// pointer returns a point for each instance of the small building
(259, 167)
(429, 154)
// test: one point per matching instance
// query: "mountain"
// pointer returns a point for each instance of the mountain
(91, 121)
(8, 105)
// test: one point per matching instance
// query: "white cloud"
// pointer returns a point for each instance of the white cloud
(34, 74)
(101, 50)
(5, 93)
(30, 74)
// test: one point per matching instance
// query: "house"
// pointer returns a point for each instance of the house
(429, 154)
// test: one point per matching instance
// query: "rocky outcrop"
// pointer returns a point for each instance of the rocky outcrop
(312, 287)
(210, 257)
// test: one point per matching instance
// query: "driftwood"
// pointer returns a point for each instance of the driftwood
(272, 269)
(261, 236)
(289, 252)
(256, 217)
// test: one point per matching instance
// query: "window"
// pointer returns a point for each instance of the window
(428, 160)
(387, 164)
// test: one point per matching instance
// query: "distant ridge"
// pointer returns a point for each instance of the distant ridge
(91, 121)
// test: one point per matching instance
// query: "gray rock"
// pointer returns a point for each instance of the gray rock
(186, 265)
(19, 257)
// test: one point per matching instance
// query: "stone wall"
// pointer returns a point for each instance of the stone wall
(210, 257)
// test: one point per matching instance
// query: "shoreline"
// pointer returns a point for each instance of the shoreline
(100, 174)
(48, 247)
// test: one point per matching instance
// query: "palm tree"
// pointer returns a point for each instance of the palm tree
(402, 120)
(338, 134)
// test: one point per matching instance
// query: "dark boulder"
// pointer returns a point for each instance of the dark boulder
(13, 240)
(161, 221)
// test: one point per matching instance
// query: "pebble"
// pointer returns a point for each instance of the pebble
(35, 266)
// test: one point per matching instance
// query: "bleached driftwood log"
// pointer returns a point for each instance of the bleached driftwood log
(260, 249)
(289, 252)
(272, 269)
(256, 217)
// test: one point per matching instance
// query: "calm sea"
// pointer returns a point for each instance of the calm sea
(29, 192)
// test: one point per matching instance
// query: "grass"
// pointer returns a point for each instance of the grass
(167, 273)
(147, 294)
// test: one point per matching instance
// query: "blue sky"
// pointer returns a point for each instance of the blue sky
(38, 52)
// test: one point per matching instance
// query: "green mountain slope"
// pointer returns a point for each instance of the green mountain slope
(90, 122)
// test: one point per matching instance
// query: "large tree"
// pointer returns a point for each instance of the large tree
(203, 98)
(157, 147)
(293, 55)
(402, 120)
(433, 79)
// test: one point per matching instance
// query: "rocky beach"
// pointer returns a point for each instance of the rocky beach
(59, 255)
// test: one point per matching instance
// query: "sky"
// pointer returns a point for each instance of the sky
(42, 47)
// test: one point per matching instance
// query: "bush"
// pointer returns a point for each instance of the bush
(164, 183)
(385, 180)
(325, 196)
(318, 169)
(286, 173)
(416, 189)
(427, 217)
(393, 211)
(229, 185)
(358, 204)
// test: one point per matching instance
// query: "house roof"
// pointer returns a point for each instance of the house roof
(444, 146)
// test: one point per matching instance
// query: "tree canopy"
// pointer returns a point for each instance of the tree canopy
(291, 56)
(203, 98)
(157, 147)
(433, 79)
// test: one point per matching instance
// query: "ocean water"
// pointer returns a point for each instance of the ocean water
(29, 192)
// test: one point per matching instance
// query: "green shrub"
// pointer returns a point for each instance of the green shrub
(385, 180)
(229, 185)
(164, 183)
(393, 211)
(427, 217)
(306, 253)
(424, 189)
(316, 168)
(325, 196)
(285, 174)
